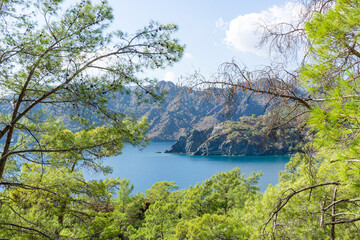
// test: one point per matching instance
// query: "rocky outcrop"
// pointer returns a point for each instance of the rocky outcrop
(182, 110)
(247, 137)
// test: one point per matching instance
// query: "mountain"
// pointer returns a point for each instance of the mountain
(247, 137)
(182, 110)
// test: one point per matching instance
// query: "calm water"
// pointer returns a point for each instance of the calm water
(146, 167)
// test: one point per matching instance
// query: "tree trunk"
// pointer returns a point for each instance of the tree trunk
(333, 217)
(6, 148)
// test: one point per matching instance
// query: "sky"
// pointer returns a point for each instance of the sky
(213, 31)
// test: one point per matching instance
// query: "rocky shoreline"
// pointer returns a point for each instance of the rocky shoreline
(244, 138)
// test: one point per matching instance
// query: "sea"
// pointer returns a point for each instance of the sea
(146, 166)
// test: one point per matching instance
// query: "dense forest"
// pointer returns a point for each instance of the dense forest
(69, 59)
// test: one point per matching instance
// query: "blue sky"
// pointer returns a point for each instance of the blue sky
(214, 31)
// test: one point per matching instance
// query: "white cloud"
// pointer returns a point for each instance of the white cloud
(242, 31)
(220, 24)
(188, 55)
(169, 76)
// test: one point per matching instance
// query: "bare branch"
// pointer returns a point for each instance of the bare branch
(26, 228)
(342, 200)
(25, 186)
(283, 201)
(343, 221)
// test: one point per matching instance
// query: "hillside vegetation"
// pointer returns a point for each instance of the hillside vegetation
(250, 136)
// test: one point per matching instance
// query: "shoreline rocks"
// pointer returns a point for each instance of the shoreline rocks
(245, 138)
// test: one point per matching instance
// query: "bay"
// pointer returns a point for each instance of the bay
(147, 166)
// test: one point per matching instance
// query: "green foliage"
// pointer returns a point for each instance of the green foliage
(59, 67)
(64, 205)
(54, 203)
(221, 194)
(45, 194)
(334, 39)
(325, 211)
(160, 191)
(67, 62)
(160, 221)
(210, 226)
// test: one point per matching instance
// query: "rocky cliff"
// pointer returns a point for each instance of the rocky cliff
(181, 112)
(247, 137)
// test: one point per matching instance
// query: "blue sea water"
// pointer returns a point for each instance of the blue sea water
(147, 166)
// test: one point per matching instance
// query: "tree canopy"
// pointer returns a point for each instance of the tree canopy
(317, 194)
(57, 62)
(69, 62)
(59, 67)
